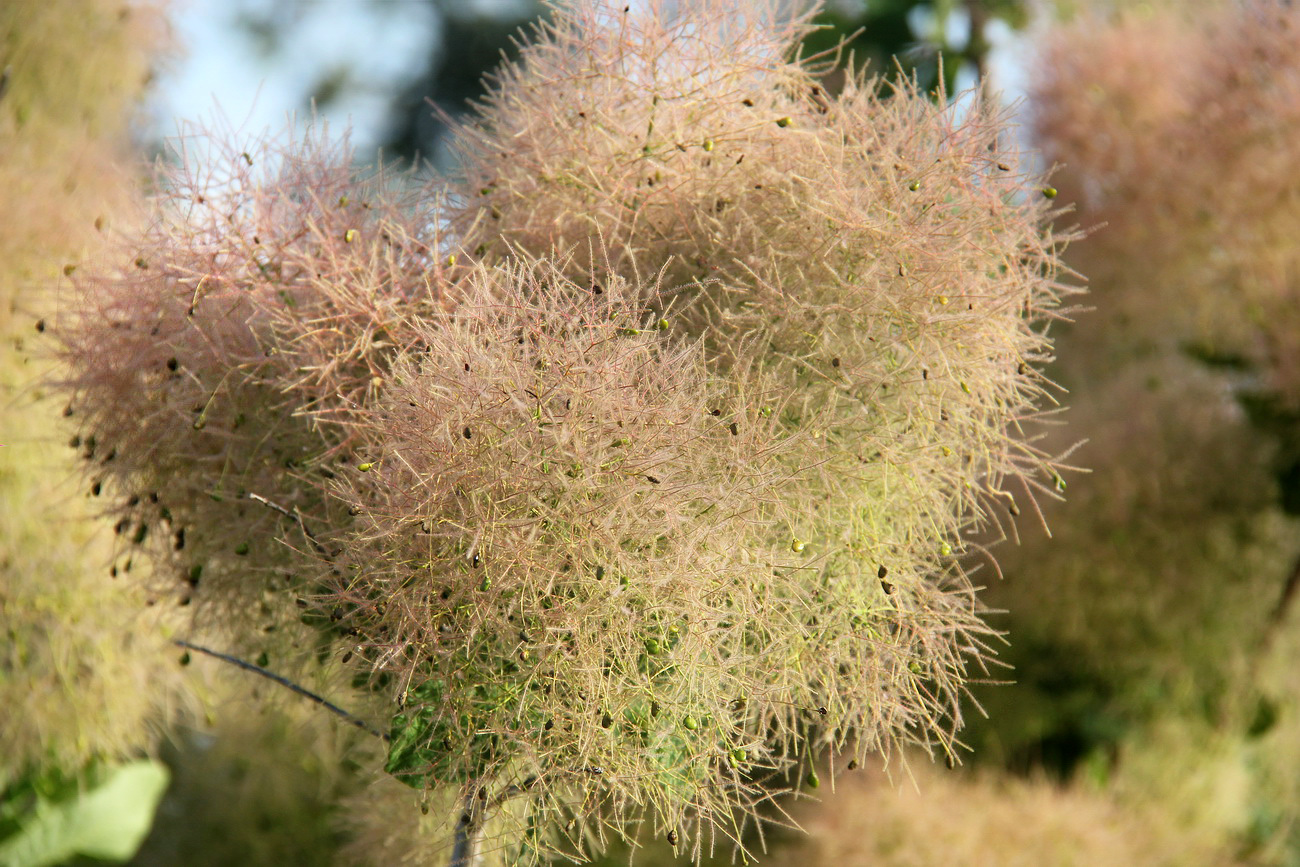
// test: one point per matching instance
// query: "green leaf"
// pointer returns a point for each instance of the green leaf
(106, 819)
(409, 756)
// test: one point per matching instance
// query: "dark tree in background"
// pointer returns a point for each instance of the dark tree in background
(472, 44)
(473, 38)
(917, 34)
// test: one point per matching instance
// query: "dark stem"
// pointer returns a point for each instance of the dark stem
(977, 50)
(285, 682)
(470, 826)
(467, 831)
(1283, 607)
(1267, 637)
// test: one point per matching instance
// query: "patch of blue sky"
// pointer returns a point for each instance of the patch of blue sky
(253, 66)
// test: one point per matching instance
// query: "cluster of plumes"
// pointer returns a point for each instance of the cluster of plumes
(83, 676)
(650, 476)
(1177, 136)
(573, 546)
(1167, 564)
(1016, 822)
(255, 303)
(875, 245)
(1190, 175)
(881, 264)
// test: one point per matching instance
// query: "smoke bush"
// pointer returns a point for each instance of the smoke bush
(1178, 134)
(640, 476)
(1173, 587)
(1019, 823)
(1191, 173)
(566, 540)
(880, 248)
(84, 677)
(250, 302)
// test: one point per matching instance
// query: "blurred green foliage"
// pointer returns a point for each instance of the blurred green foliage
(104, 812)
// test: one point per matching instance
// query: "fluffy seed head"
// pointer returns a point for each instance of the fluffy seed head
(192, 365)
(866, 254)
(1179, 136)
(606, 487)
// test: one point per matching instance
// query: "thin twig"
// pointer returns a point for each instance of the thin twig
(1288, 596)
(511, 791)
(296, 517)
(285, 682)
(1280, 610)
